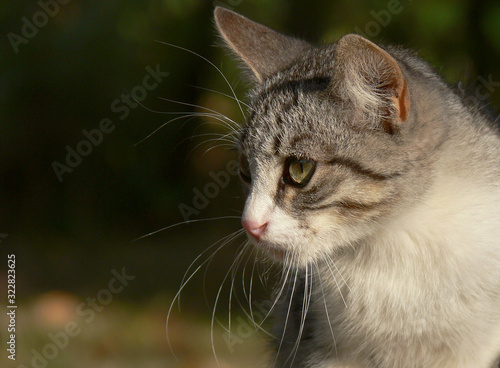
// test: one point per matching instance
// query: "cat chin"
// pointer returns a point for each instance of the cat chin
(286, 255)
(276, 252)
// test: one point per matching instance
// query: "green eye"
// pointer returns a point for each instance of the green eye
(299, 171)
(245, 170)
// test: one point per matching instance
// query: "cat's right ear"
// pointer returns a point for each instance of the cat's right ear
(373, 80)
(263, 50)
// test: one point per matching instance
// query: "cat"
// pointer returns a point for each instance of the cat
(378, 190)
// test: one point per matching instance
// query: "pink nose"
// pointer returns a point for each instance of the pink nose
(254, 228)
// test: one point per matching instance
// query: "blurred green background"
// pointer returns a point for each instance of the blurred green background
(67, 67)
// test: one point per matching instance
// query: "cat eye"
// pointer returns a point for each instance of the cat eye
(245, 170)
(298, 171)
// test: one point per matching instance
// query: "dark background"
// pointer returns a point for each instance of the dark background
(68, 235)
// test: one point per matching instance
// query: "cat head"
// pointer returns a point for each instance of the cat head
(329, 148)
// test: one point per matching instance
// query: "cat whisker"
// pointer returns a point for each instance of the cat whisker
(225, 240)
(249, 314)
(283, 283)
(306, 300)
(185, 223)
(264, 273)
(218, 117)
(250, 295)
(220, 93)
(327, 313)
(243, 286)
(183, 285)
(212, 64)
(232, 269)
(327, 262)
(226, 145)
(227, 142)
(246, 244)
(334, 265)
(161, 126)
(223, 120)
(232, 133)
(212, 337)
(232, 123)
(285, 325)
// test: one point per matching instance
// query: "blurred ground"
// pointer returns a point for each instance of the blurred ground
(125, 335)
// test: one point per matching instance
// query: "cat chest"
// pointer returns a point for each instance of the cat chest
(380, 307)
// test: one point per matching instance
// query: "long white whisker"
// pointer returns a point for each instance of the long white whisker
(225, 141)
(232, 269)
(243, 308)
(212, 338)
(278, 296)
(221, 124)
(203, 108)
(184, 223)
(212, 64)
(326, 308)
(233, 279)
(224, 241)
(250, 287)
(227, 145)
(161, 126)
(243, 274)
(306, 300)
(217, 116)
(334, 265)
(335, 279)
(230, 145)
(220, 93)
(286, 318)
(179, 292)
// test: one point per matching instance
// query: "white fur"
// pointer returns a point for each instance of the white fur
(425, 289)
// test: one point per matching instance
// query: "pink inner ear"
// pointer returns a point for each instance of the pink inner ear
(402, 101)
(357, 57)
(399, 86)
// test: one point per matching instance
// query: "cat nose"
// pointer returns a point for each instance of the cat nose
(254, 228)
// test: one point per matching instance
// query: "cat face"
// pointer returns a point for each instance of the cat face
(313, 185)
(330, 149)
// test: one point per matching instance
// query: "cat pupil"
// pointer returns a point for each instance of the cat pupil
(300, 171)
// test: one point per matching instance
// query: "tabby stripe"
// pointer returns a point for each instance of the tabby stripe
(358, 168)
(347, 204)
(351, 205)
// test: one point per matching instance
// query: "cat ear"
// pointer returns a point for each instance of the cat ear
(263, 50)
(372, 79)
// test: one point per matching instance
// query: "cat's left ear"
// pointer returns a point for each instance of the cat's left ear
(372, 79)
(263, 50)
